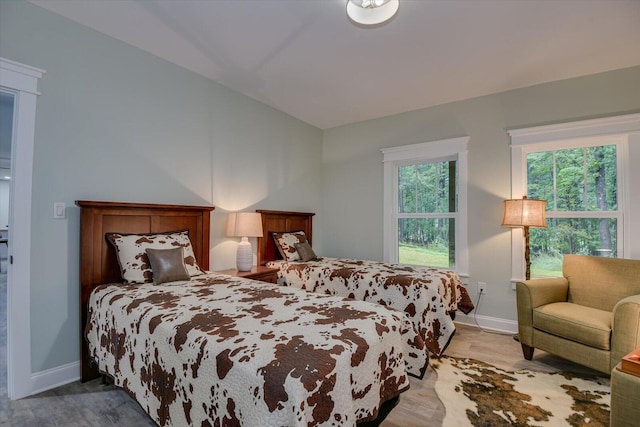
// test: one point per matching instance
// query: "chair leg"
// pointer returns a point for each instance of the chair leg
(527, 351)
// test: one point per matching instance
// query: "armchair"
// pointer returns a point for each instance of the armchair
(590, 316)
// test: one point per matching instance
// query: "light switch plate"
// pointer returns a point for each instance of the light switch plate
(59, 210)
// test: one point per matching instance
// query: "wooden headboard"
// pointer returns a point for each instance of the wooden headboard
(279, 221)
(98, 261)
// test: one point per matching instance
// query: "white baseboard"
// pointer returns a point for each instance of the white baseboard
(55, 377)
(487, 322)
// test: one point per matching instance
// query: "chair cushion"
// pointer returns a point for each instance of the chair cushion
(574, 322)
(600, 282)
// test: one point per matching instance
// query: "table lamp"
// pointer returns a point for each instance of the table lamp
(244, 225)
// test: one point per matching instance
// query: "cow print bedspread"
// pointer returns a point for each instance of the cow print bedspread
(222, 351)
(426, 295)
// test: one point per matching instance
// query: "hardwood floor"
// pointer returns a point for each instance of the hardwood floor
(95, 404)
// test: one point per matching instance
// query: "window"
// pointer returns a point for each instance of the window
(580, 170)
(425, 199)
(427, 195)
(580, 186)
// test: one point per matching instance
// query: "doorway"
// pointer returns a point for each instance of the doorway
(7, 101)
(19, 82)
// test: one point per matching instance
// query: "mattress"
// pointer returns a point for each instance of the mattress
(219, 350)
(428, 296)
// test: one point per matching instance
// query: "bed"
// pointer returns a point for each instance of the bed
(217, 350)
(429, 297)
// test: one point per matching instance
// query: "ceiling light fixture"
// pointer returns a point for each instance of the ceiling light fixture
(371, 12)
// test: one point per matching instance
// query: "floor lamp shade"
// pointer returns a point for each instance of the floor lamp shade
(525, 213)
(244, 225)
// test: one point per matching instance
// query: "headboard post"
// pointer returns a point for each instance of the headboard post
(98, 261)
(281, 221)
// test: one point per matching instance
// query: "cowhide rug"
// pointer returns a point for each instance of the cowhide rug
(475, 393)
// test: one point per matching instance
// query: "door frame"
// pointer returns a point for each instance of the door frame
(22, 81)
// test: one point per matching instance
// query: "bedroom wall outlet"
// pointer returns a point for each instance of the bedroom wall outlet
(482, 288)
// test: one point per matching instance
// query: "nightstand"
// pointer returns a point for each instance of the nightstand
(264, 274)
(624, 392)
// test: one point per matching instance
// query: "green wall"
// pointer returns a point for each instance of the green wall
(353, 171)
(115, 123)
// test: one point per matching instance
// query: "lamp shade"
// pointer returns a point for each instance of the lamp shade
(524, 213)
(371, 12)
(244, 224)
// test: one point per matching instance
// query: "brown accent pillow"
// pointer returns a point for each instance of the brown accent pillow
(306, 251)
(167, 265)
(286, 243)
(133, 260)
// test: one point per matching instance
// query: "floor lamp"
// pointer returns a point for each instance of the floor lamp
(525, 213)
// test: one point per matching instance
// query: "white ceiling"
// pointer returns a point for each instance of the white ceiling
(305, 57)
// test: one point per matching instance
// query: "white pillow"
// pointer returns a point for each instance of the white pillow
(286, 243)
(133, 260)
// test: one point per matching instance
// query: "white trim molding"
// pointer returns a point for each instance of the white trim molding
(488, 322)
(21, 81)
(618, 130)
(415, 153)
(55, 377)
(592, 127)
(425, 150)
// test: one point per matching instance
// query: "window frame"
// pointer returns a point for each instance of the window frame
(426, 152)
(579, 134)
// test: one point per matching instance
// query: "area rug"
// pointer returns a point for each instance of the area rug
(475, 393)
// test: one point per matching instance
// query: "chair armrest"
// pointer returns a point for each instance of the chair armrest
(625, 333)
(537, 292)
(534, 293)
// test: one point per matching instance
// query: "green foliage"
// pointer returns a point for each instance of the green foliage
(546, 265)
(567, 179)
(428, 189)
(580, 180)
(433, 256)
(424, 188)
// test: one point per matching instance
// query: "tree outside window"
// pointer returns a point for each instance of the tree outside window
(425, 204)
(580, 186)
(427, 210)
(583, 170)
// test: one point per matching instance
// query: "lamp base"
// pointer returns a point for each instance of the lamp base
(244, 255)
